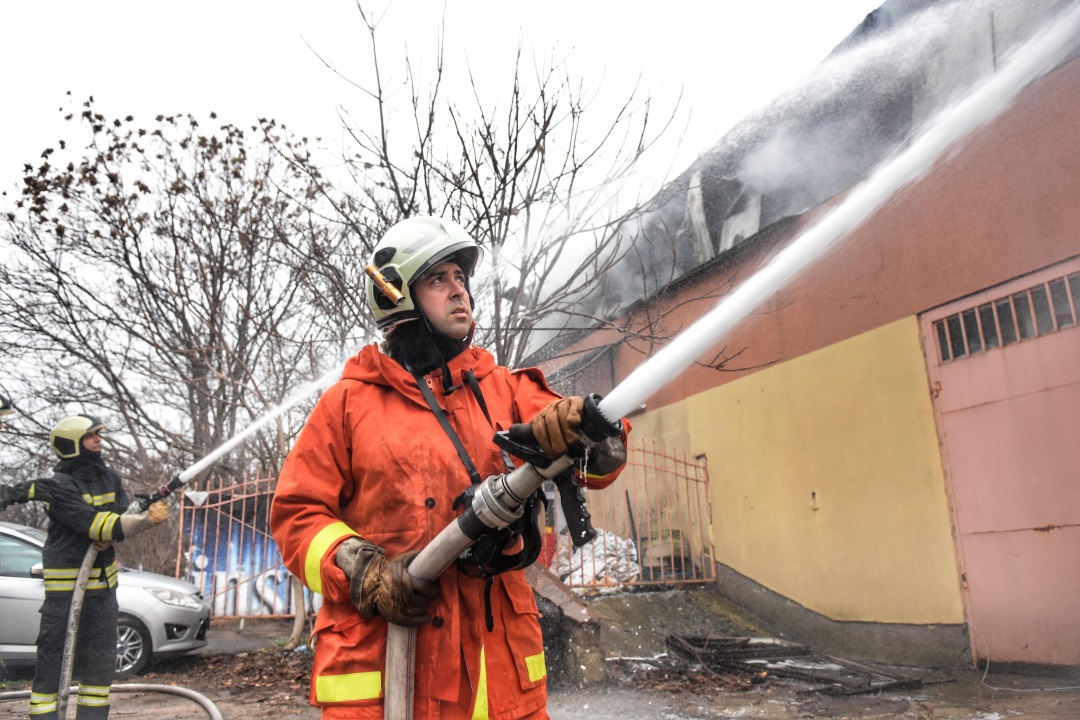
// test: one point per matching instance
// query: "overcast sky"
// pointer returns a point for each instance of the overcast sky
(250, 58)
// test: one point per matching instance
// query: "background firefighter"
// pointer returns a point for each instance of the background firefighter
(86, 501)
(374, 477)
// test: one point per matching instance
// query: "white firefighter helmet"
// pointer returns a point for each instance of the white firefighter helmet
(66, 437)
(405, 252)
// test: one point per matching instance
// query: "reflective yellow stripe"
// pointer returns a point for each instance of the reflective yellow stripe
(318, 547)
(103, 525)
(480, 708)
(537, 667)
(94, 695)
(110, 526)
(63, 579)
(42, 703)
(101, 528)
(33, 491)
(96, 500)
(343, 688)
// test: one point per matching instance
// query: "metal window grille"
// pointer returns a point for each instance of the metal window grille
(1038, 310)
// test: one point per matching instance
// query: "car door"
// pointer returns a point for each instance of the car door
(20, 594)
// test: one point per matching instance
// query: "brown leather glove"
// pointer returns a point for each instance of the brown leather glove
(384, 587)
(555, 427)
(158, 512)
(135, 523)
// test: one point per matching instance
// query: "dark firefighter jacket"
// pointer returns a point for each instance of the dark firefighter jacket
(85, 501)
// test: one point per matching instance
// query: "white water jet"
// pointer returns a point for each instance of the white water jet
(319, 383)
(1036, 57)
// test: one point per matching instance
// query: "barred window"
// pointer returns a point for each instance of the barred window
(1044, 308)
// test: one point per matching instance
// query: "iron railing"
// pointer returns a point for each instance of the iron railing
(653, 529)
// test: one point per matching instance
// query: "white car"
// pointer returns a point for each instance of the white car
(159, 615)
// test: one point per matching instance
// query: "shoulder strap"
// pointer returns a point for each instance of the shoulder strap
(470, 377)
(448, 428)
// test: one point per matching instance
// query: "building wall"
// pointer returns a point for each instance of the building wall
(823, 398)
(826, 479)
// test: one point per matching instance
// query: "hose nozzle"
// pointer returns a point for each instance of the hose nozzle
(384, 285)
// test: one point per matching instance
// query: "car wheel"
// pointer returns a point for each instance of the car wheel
(133, 647)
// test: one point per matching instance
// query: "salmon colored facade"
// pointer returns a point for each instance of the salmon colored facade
(848, 463)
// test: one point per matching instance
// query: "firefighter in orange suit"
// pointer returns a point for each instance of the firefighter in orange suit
(374, 477)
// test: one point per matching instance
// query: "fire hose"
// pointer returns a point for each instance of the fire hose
(496, 504)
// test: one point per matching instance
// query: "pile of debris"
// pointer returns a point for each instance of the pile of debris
(702, 665)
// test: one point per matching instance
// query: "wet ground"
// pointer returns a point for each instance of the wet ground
(246, 675)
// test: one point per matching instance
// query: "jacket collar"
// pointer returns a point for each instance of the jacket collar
(371, 365)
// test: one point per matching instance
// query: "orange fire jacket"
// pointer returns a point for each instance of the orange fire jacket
(372, 461)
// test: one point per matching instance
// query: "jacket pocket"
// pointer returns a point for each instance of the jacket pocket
(522, 627)
(349, 658)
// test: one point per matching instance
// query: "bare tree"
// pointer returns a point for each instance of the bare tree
(151, 277)
(537, 177)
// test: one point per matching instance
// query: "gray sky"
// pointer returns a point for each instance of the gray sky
(249, 58)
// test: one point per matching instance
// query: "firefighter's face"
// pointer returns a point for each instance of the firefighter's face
(92, 442)
(441, 294)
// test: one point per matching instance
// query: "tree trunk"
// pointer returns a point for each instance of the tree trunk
(296, 639)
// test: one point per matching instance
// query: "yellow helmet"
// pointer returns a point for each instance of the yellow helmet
(66, 438)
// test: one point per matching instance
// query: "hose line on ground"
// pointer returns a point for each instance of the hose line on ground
(196, 697)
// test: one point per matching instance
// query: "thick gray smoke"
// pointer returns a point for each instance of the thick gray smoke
(859, 107)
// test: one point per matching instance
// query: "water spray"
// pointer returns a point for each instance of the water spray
(180, 479)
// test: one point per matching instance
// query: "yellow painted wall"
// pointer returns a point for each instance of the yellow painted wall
(826, 479)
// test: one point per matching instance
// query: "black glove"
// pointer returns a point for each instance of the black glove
(8, 496)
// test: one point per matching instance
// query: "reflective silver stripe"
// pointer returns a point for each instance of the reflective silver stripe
(322, 542)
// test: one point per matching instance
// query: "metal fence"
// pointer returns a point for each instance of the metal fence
(653, 528)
